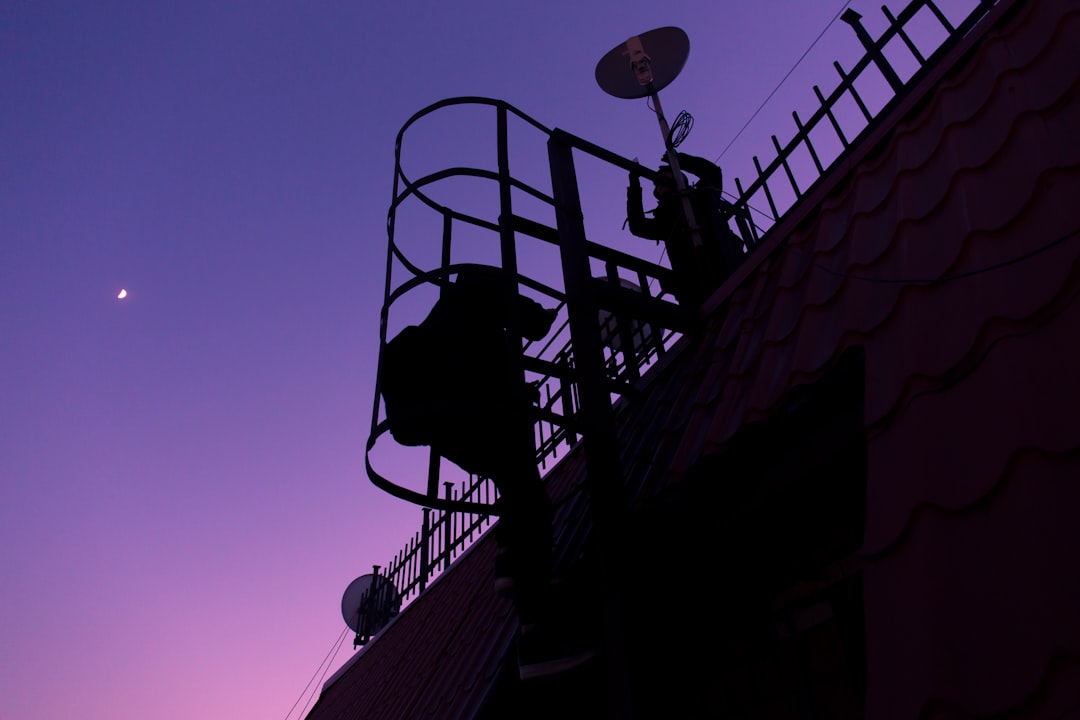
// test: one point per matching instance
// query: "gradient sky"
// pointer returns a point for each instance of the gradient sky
(182, 490)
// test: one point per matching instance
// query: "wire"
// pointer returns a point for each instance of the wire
(922, 281)
(683, 122)
(762, 213)
(681, 128)
(944, 278)
(325, 661)
(918, 281)
(782, 81)
(326, 669)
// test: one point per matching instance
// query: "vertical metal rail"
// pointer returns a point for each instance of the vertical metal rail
(584, 359)
(852, 18)
(425, 553)
(448, 528)
(603, 466)
(874, 56)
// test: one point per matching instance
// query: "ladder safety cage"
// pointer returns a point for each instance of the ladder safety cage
(646, 336)
(635, 327)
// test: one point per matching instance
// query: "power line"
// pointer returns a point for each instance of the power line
(944, 278)
(326, 661)
(782, 81)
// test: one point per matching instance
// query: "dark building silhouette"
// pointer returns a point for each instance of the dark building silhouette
(851, 485)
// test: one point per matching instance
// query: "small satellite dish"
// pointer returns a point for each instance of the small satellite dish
(368, 604)
(644, 64)
(641, 67)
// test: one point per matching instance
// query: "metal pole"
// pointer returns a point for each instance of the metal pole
(852, 18)
(425, 557)
(603, 472)
(673, 160)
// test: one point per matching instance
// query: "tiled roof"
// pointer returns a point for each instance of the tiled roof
(951, 256)
(438, 658)
(946, 249)
(443, 654)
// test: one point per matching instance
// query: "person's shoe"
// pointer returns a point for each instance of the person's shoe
(548, 649)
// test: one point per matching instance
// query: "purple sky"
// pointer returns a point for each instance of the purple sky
(182, 490)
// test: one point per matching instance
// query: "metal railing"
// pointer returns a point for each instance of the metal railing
(631, 343)
(895, 38)
(552, 368)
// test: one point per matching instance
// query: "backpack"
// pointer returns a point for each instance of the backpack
(445, 382)
(408, 387)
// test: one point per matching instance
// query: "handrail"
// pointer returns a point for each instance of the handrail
(454, 519)
(554, 376)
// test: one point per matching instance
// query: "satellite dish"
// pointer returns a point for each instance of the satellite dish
(368, 604)
(641, 67)
(644, 64)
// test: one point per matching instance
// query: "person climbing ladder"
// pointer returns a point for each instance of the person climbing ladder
(447, 384)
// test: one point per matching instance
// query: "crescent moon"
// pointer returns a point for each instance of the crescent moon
(122, 295)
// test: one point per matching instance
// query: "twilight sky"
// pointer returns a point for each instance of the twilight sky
(182, 489)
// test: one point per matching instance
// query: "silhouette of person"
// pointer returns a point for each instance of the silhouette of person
(699, 268)
(447, 383)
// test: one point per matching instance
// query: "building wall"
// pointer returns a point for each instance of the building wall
(946, 258)
(950, 255)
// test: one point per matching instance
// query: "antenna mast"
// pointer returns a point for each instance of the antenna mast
(628, 71)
